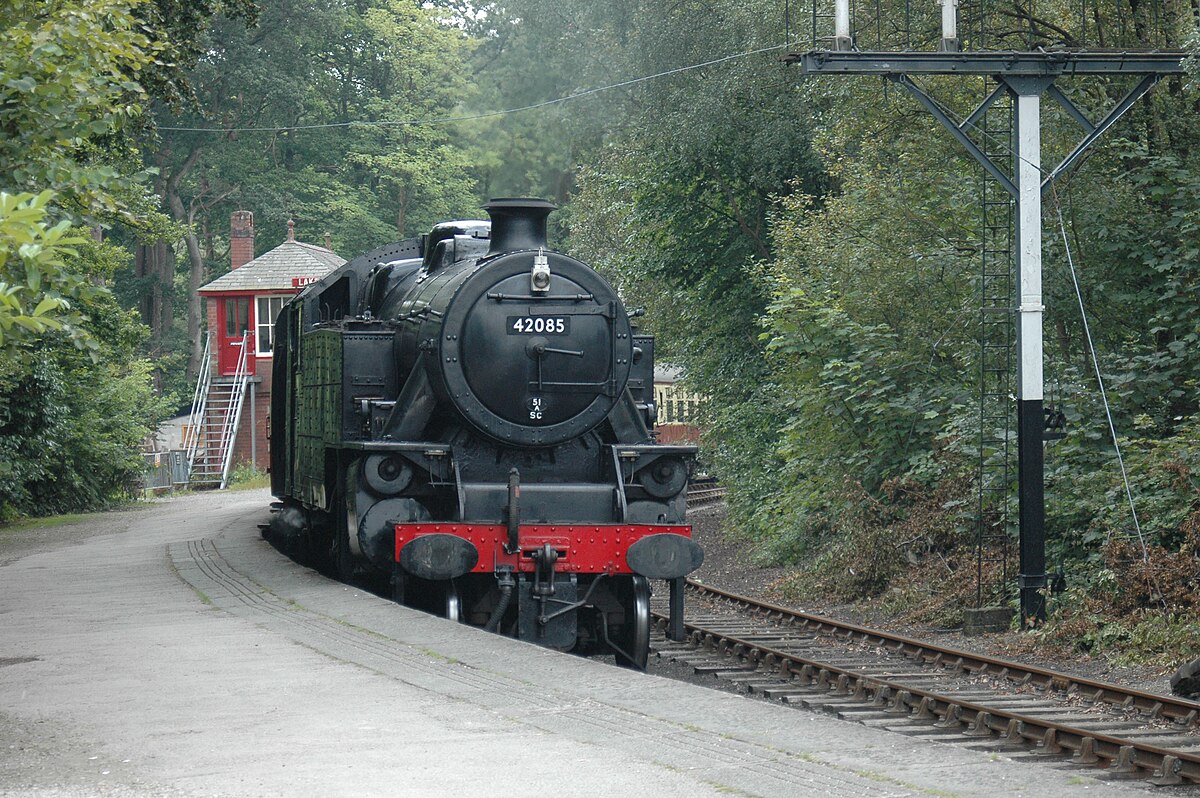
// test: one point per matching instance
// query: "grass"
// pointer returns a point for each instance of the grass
(44, 521)
(248, 477)
(258, 482)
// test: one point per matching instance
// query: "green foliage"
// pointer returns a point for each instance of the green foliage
(245, 476)
(71, 421)
(675, 205)
(1084, 625)
(1140, 248)
(68, 79)
(320, 63)
(178, 28)
(819, 280)
(35, 282)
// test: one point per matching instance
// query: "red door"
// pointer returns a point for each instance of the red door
(234, 313)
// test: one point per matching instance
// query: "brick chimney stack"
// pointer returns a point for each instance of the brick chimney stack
(241, 238)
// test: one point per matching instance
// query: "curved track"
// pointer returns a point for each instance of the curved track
(921, 688)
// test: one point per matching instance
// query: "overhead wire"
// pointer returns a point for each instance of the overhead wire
(1112, 428)
(483, 115)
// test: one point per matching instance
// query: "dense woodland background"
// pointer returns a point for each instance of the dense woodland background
(807, 251)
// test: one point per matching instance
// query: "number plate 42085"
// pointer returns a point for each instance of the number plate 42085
(539, 325)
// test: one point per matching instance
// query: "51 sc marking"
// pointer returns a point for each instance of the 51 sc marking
(539, 325)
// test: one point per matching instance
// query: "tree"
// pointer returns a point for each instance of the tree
(75, 402)
(810, 254)
(68, 85)
(677, 181)
(306, 74)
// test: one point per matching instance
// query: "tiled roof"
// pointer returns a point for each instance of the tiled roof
(275, 270)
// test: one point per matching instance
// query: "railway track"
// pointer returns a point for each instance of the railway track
(704, 492)
(919, 688)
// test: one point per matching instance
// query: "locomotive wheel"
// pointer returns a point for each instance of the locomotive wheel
(635, 639)
(453, 603)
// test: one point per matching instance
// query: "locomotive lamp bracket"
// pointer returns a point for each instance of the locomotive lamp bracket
(539, 277)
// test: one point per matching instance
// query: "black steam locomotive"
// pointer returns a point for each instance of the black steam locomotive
(469, 415)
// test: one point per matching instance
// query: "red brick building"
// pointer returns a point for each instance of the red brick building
(241, 307)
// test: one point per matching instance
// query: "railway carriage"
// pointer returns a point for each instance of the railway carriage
(469, 416)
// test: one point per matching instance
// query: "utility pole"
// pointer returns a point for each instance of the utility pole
(1026, 76)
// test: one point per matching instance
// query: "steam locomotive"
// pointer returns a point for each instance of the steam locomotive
(468, 417)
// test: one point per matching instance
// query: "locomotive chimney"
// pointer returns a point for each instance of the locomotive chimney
(518, 223)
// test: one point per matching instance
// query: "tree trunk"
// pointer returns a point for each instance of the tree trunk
(195, 279)
(155, 264)
(195, 260)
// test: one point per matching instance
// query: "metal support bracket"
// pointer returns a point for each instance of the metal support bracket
(1118, 110)
(956, 131)
(1071, 108)
(981, 109)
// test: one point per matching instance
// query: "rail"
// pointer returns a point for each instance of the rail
(233, 419)
(704, 492)
(980, 717)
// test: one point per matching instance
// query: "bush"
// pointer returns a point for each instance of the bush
(73, 419)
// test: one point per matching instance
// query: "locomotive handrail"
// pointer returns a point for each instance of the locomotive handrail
(499, 297)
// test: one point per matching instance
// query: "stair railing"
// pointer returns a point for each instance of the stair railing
(233, 417)
(191, 442)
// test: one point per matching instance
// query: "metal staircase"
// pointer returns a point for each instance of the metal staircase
(217, 421)
(997, 333)
(191, 433)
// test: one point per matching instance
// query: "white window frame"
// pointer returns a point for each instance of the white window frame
(271, 299)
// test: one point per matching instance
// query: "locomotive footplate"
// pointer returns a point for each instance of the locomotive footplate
(658, 551)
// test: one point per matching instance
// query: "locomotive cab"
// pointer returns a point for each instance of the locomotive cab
(466, 429)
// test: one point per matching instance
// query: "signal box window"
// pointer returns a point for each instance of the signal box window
(267, 311)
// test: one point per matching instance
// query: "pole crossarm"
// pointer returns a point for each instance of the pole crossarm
(956, 130)
(1021, 85)
(1036, 63)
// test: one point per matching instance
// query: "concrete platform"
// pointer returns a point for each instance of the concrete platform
(170, 651)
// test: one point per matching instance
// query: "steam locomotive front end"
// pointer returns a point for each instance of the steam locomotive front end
(496, 457)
